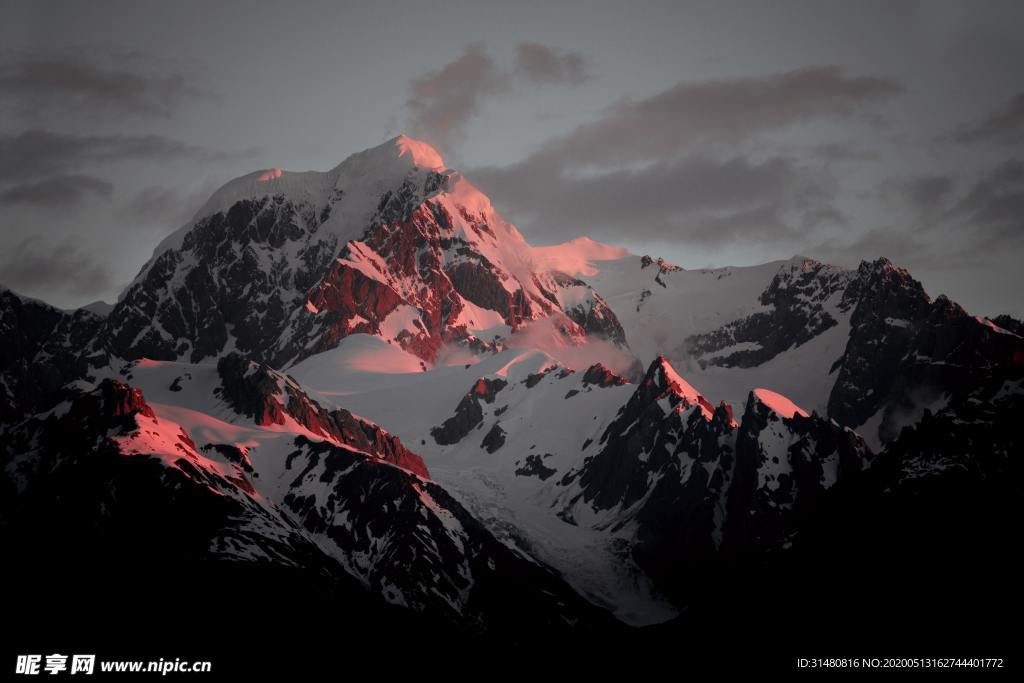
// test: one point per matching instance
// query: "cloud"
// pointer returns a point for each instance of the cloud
(729, 110)
(544, 65)
(38, 153)
(896, 245)
(60, 85)
(443, 102)
(696, 200)
(927, 197)
(1004, 125)
(840, 153)
(642, 165)
(927, 190)
(62, 191)
(165, 206)
(41, 167)
(994, 205)
(957, 229)
(34, 265)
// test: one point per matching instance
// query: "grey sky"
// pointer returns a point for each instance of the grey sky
(711, 133)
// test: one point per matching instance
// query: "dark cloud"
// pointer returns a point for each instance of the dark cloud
(994, 206)
(61, 191)
(635, 168)
(929, 191)
(955, 230)
(1004, 125)
(897, 245)
(34, 265)
(443, 102)
(695, 200)
(39, 153)
(840, 152)
(165, 206)
(40, 167)
(927, 198)
(728, 110)
(80, 87)
(544, 65)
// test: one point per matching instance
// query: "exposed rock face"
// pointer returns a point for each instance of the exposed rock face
(494, 440)
(113, 403)
(635, 441)
(244, 269)
(534, 466)
(145, 499)
(469, 414)
(689, 483)
(588, 309)
(939, 504)
(598, 375)
(282, 276)
(533, 379)
(40, 351)
(783, 462)
(479, 284)
(267, 397)
(236, 454)
(803, 299)
(416, 545)
(887, 307)
(129, 489)
(906, 351)
(1009, 323)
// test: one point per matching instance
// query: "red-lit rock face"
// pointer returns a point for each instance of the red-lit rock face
(271, 398)
(601, 376)
(286, 265)
(422, 263)
(120, 400)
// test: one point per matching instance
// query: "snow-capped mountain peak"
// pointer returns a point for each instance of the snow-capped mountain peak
(664, 378)
(363, 177)
(282, 265)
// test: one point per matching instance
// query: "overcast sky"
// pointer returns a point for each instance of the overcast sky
(714, 133)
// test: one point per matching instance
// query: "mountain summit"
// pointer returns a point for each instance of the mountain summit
(389, 243)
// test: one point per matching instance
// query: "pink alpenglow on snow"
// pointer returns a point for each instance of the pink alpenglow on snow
(423, 155)
(779, 403)
(991, 325)
(683, 389)
(576, 257)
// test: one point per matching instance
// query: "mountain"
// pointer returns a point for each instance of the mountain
(41, 352)
(281, 266)
(364, 385)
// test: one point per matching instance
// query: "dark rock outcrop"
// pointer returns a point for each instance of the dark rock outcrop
(40, 351)
(534, 467)
(600, 376)
(267, 396)
(906, 351)
(695, 487)
(413, 542)
(798, 297)
(469, 413)
(494, 439)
